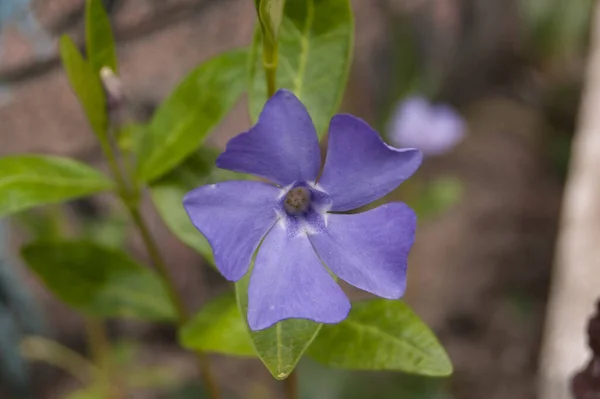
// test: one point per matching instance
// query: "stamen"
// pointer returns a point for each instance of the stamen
(297, 201)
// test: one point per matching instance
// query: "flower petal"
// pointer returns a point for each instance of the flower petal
(234, 216)
(289, 281)
(282, 147)
(370, 250)
(360, 168)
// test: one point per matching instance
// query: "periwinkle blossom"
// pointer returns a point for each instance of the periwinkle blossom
(433, 129)
(295, 222)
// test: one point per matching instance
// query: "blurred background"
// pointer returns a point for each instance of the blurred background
(479, 275)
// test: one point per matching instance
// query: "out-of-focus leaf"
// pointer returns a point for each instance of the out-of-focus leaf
(31, 180)
(129, 372)
(321, 382)
(40, 349)
(86, 84)
(381, 335)
(436, 197)
(189, 114)
(218, 327)
(315, 48)
(555, 28)
(99, 281)
(109, 231)
(93, 392)
(279, 347)
(99, 37)
(168, 192)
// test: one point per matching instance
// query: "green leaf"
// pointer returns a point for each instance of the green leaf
(270, 13)
(315, 50)
(86, 84)
(189, 114)
(168, 192)
(381, 334)
(99, 281)
(219, 328)
(554, 28)
(99, 37)
(437, 196)
(31, 180)
(279, 347)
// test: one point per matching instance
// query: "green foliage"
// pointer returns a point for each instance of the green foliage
(189, 114)
(315, 50)
(168, 192)
(281, 346)
(86, 84)
(31, 180)
(381, 335)
(218, 327)
(99, 281)
(99, 39)
(436, 196)
(555, 28)
(322, 382)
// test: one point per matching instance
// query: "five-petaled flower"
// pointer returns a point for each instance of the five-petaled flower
(296, 223)
(433, 129)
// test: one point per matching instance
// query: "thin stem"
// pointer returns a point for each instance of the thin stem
(42, 349)
(130, 200)
(99, 346)
(290, 386)
(182, 316)
(270, 62)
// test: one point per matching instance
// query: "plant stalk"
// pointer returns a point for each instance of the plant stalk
(270, 63)
(99, 347)
(131, 202)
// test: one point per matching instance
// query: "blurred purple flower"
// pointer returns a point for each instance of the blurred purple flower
(293, 220)
(434, 129)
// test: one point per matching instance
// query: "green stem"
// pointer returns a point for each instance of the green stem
(130, 200)
(41, 349)
(99, 347)
(270, 63)
(290, 386)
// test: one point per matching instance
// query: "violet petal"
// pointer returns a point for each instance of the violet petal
(282, 147)
(289, 281)
(234, 216)
(370, 250)
(360, 168)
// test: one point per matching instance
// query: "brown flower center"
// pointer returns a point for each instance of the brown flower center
(297, 200)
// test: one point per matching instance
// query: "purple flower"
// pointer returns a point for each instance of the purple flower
(296, 221)
(434, 129)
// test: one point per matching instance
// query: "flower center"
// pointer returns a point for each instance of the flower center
(297, 201)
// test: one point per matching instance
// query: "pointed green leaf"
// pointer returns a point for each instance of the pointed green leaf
(381, 335)
(315, 49)
(281, 346)
(31, 180)
(100, 42)
(189, 114)
(99, 281)
(218, 327)
(168, 192)
(87, 86)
